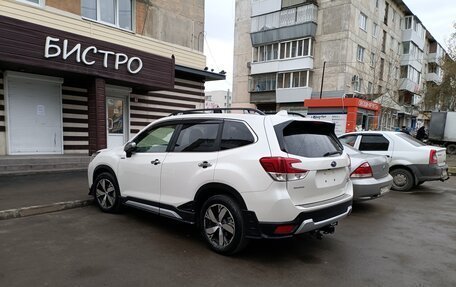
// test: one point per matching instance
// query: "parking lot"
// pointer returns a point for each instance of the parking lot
(402, 239)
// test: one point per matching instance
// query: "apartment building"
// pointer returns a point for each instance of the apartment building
(218, 99)
(362, 63)
(77, 76)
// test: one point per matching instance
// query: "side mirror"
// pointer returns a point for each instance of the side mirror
(130, 148)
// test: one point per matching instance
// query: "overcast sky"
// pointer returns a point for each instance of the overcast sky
(437, 16)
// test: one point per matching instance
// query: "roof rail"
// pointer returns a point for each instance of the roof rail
(217, 111)
(287, 113)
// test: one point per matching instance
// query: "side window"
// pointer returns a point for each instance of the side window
(374, 143)
(350, 139)
(235, 134)
(155, 140)
(197, 138)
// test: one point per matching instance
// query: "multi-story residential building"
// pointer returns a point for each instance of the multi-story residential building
(332, 59)
(218, 99)
(80, 75)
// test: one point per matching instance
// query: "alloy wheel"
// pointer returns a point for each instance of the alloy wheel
(105, 193)
(219, 225)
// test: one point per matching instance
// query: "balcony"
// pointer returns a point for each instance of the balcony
(262, 97)
(434, 57)
(409, 85)
(301, 63)
(410, 60)
(414, 36)
(434, 77)
(260, 7)
(293, 95)
(284, 33)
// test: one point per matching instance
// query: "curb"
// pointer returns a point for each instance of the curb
(42, 209)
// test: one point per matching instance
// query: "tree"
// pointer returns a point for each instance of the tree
(443, 96)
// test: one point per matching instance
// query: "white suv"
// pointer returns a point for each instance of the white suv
(237, 176)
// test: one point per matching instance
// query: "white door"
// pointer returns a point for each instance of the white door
(117, 115)
(191, 162)
(34, 114)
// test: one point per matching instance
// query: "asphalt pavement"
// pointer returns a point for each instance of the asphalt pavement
(401, 239)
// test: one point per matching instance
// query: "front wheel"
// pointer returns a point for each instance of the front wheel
(402, 179)
(222, 226)
(106, 193)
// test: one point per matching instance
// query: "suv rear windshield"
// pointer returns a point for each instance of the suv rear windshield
(308, 139)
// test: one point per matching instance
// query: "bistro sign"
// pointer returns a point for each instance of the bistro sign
(52, 49)
(34, 48)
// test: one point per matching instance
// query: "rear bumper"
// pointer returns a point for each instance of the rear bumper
(304, 222)
(425, 172)
(370, 188)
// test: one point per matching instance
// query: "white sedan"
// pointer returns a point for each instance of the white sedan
(411, 161)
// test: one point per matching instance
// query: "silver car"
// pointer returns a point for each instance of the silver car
(369, 174)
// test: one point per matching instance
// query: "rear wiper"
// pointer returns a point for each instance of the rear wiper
(332, 153)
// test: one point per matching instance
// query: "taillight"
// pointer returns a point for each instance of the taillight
(433, 157)
(281, 168)
(363, 170)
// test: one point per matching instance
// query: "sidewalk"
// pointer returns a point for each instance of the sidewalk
(25, 195)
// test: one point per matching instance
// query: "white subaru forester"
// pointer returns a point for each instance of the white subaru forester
(237, 176)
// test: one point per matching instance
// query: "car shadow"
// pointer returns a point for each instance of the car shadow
(304, 248)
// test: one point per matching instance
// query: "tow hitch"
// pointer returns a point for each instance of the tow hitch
(328, 229)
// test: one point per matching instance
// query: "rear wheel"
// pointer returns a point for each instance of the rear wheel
(402, 179)
(451, 148)
(106, 193)
(222, 226)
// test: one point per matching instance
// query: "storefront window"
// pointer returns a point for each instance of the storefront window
(113, 12)
(115, 116)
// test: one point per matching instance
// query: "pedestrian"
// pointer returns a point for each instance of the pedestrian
(421, 133)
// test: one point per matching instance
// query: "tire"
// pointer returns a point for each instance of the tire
(222, 226)
(106, 193)
(451, 148)
(403, 179)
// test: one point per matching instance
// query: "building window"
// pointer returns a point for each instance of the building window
(357, 84)
(296, 48)
(375, 30)
(33, 2)
(360, 54)
(117, 13)
(382, 68)
(293, 79)
(263, 83)
(369, 88)
(265, 53)
(384, 42)
(385, 19)
(363, 21)
(408, 22)
(372, 59)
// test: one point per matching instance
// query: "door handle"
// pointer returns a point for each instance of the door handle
(155, 162)
(204, 164)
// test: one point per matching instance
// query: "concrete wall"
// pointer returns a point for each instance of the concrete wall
(174, 21)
